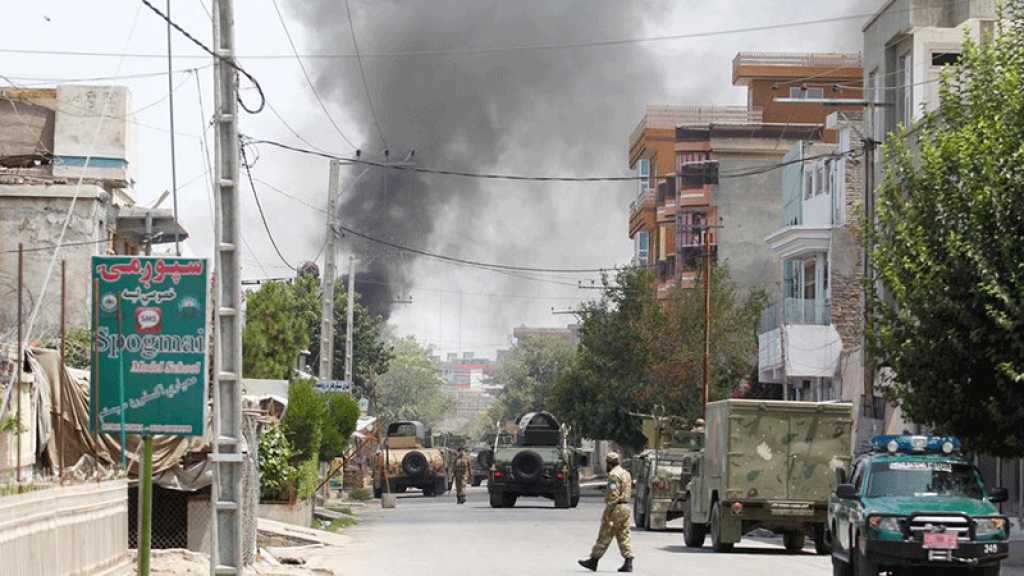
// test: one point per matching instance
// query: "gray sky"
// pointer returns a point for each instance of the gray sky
(550, 112)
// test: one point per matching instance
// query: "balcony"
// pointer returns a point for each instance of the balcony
(698, 174)
(797, 311)
(667, 268)
(643, 204)
(812, 59)
(692, 257)
(669, 117)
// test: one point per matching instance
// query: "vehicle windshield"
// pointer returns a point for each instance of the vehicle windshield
(924, 479)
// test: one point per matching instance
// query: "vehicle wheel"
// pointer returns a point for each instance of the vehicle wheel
(716, 530)
(377, 492)
(859, 565)
(508, 500)
(574, 501)
(639, 518)
(840, 568)
(429, 491)
(441, 486)
(477, 481)
(822, 540)
(561, 500)
(794, 541)
(987, 570)
(693, 534)
(497, 500)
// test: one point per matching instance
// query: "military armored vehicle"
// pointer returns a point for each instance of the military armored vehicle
(538, 463)
(916, 502)
(482, 455)
(660, 472)
(767, 464)
(409, 460)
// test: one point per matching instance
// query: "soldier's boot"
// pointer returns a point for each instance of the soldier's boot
(589, 564)
(627, 565)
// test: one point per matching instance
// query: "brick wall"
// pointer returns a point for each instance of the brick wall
(848, 262)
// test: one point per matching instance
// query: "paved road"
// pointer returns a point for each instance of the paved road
(436, 536)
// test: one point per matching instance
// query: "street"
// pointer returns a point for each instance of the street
(436, 536)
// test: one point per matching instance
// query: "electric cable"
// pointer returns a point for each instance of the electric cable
(259, 206)
(229, 61)
(362, 72)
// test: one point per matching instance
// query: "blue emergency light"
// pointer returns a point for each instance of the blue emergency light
(915, 444)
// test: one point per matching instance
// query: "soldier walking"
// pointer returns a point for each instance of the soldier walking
(615, 520)
(463, 468)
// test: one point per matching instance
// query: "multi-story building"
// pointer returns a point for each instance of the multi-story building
(67, 154)
(704, 170)
(467, 371)
(570, 333)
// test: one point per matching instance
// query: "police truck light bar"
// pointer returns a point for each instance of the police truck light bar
(916, 444)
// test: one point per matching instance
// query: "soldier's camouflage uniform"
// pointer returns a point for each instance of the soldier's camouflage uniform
(615, 520)
(463, 468)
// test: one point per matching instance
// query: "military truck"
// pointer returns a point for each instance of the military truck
(482, 455)
(408, 459)
(659, 493)
(539, 463)
(767, 464)
(916, 502)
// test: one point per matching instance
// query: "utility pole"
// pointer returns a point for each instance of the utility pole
(170, 101)
(869, 220)
(707, 318)
(226, 494)
(349, 315)
(330, 274)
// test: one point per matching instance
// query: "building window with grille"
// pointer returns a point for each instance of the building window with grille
(805, 93)
(905, 90)
(643, 172)
(643, 246)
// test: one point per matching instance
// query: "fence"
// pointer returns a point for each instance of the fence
(80, 530)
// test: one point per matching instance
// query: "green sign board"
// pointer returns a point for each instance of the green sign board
(149, 353)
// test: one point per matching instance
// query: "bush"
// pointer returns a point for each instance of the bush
(303, 422)
(275, 467)
(340, 416)
(307, 477)
(360, 494)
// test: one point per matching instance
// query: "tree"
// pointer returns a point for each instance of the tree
(303, 420)
(947, 248)
(340, 415)
(276, 471)
(528, 376)
(637, 353)
(412, 388)
(276, 330)
(371, 350)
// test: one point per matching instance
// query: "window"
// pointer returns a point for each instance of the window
(691, 227)
(642, 242)
(819, 179)
(643, 172)
(875, 96)
(905, 90)
(945, 58)
(803, 93)
(688, 157)
(809, 287)
(808, 182)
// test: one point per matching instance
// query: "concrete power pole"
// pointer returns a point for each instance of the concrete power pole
(226, 493)
(349, 309)
(330, 274)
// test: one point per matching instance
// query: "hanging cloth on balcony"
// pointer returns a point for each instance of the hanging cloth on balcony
(812, 351)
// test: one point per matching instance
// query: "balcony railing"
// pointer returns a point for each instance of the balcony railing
(666, 191)
(796, 311)
(692, 257)
(668, 117)
(645, 199)
(667, 268)
(814, 59)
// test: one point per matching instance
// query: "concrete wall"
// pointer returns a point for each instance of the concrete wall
(93, 122)
(33, 215)
(9, 440)
(299, 514)
(80, 530)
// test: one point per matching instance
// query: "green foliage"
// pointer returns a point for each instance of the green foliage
(412, 388)
(276, 330)
(360, 494)
(947, 248)
(528, 375)
(303, 421)
(306, 478)
(77, 346)
(371, 351)
(275, 468)
(636, 353)
(340, 416)
(10, 425)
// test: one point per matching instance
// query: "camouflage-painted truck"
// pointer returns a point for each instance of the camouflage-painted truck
(767, 464)
(411, 461)
(660, 492)
(539, 463)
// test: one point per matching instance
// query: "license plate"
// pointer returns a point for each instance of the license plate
(940, 541)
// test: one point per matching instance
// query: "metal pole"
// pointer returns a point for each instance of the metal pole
(226, 498)
(170, 102)
(146, 504)
(63, 352)
(330, 274)
(869, 219)
(21, 363)
(120, 389)
(707, 317)
(350, 306)
(94, 382)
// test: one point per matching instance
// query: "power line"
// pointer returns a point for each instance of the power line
(362, 73)
(305, 74)
(205, 48)
(43, 80)
(259, 206)
(48, 247)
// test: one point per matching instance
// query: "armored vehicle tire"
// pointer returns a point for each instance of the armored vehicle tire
(822, 540)
(693, 534)
(527, 466)
(497, 500)
(716, 530)
(561, 500)
(640, 515)
(509, 500)
(441, 486)
(840, 568)
(861, 566)
(794, 541)
(574, 501)
(415, 464)
(429, 491)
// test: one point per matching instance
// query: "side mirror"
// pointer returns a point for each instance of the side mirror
(997, 495)
(847, 492)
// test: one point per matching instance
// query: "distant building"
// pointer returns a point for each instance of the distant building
(470, 405)
(685, 155)
(570, 333)
(58, 146)
(467, 372)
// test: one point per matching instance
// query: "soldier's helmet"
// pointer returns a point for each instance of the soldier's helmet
(612, 458)
(698, 424)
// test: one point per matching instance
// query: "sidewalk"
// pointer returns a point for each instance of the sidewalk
(1016, 557)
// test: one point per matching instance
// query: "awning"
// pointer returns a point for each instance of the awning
(811, 351)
